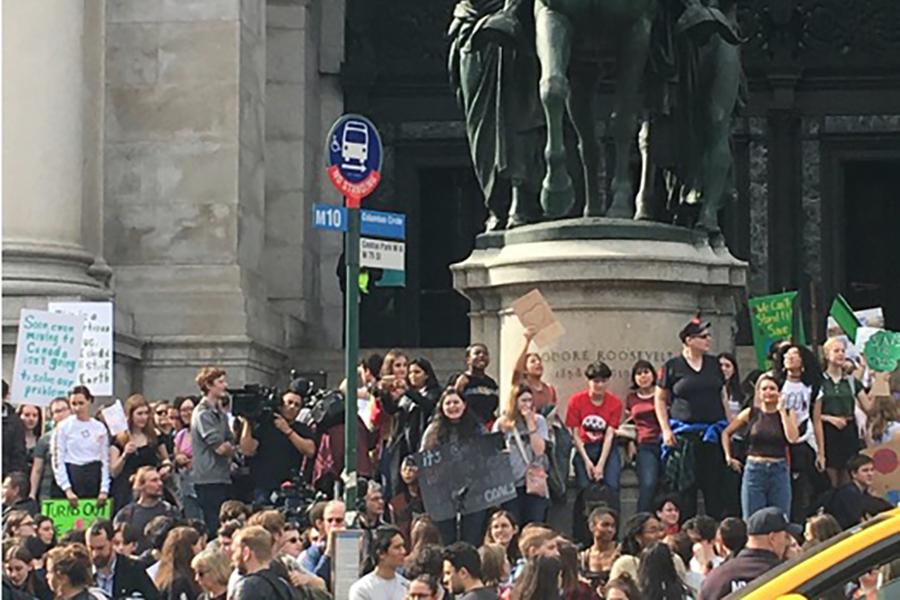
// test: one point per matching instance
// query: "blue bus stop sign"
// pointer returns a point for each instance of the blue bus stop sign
(354, 157)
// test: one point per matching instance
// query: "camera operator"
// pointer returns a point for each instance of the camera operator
(276, 446)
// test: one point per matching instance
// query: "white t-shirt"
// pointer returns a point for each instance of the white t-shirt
(798, 398)
(373, 587)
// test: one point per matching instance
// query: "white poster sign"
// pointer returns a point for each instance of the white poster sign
(96, 367)
(47, 352)
(114, 416)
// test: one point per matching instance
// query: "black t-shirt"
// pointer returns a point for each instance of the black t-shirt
(696, 396)
(276, 457)
(482, 396)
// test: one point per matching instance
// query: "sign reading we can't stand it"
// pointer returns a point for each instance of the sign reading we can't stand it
(48, 349)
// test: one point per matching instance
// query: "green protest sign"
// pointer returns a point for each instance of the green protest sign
(882, 351)
(774, 318)
(67, 517)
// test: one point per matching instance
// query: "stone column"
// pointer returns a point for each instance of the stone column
(43, 151)
(44, 103)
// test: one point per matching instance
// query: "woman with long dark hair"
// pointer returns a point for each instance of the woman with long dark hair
(138, 447)
(407, 393)
(539, 580)
(766, 479)
(407, 503)
(18, 566)
(526, 434)
(33, 419)
(80, 452)
(41, 468)
(798, 372)
(641, 412)
(571, 587)
(639, 532)
(733, 393)
(175, 578)
(454, 422)
(657, 577)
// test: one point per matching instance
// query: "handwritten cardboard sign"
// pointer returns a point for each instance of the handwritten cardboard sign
(774, 318)
(471, 475)
(534, 311)
(95, 368)
(47, 351)
(66, 517)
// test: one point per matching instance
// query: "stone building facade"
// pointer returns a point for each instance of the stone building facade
(165, 154)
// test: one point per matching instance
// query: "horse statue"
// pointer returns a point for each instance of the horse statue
(561, 28)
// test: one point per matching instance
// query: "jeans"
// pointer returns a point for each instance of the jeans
(647, 463)
(472, 529)
(210, 497)
(527, 508)
(611, 471)
(765, 484)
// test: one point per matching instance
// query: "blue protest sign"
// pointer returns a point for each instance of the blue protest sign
(329, 217)
(354, 157)
(383, 224)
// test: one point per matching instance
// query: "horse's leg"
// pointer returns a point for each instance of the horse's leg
(725, 70)
(553, 38)
(581, 110)
(643, 208)
(631, 60)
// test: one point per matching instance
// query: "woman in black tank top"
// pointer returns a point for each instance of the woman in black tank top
(766, 479)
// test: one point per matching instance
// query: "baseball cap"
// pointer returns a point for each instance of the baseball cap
(693, 327)
(770, 520)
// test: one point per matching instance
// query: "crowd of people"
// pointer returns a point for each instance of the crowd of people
(198, 494)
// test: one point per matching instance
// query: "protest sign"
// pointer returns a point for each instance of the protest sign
(67, 517)
(882, 351)
(470, 475)
(534, 311)
(774, 318)
(47, 351)
(886, 459)
(95, 368)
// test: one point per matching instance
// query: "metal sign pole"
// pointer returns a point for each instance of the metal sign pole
(351, 348)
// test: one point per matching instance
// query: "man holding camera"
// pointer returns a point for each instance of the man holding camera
(276, 446)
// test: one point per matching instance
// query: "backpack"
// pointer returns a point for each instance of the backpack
(283, 589)
(593, 496)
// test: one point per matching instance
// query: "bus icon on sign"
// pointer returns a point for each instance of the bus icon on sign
(355, 146)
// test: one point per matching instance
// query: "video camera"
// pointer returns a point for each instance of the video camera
(255, 402)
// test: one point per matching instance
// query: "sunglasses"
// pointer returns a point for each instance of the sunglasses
(292, 540)
(162, 411)
(26, 524)
(704, 336)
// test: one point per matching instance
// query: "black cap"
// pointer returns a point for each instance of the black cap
(693, 327)
(770, 520)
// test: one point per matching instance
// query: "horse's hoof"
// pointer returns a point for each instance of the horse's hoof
(618, 210)
(494, 223)
(643, 215)
(558, 201)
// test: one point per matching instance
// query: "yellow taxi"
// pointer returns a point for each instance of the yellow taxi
(834, 569)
